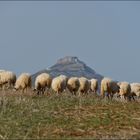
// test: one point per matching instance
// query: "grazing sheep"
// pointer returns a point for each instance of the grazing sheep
(23, 82)
(59, 83)
(7, 78)
(94, 85)
(42, 82)
(65, 80)
(135, 89)
(125, 90)
(109, 86)
(89, 91)
(12, 78)
(73, 85)
(84, 85)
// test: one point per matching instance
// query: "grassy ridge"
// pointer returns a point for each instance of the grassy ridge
(23, 116)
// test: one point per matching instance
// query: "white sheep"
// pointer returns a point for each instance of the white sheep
(84, 85)
(135, 89)
(125, 90)
(59, 84)
(109, 86)
(94, 85)
(23, 82)
(73, 85)
(7, 78)
(65, 80)
(42, 82)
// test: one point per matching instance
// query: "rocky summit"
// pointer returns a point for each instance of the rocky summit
(70, 66)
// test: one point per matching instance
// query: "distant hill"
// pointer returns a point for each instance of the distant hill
(70, 66)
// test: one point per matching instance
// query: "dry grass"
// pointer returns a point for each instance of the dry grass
(25, 116)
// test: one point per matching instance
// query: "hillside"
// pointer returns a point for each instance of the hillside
(70, 66)
(27, 116)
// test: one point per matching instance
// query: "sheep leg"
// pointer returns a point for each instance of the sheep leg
(122, 98)
(108, 96)
(57, 93)
(74, 93)
(37, 92)
(118, 95)
(86, 94)
(133, 98)
(23, 90)
(111, 95)
(126, 98)
(43, 91)
(102, 93)
(26, 90)
(80, 93)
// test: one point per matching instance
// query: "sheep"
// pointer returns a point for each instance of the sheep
(65, 80)
(73, 85)
(12, 78)
(42, 82)
(109, 86)
(7, 77)
(84, 85)
(3, 79)
(94, 85)
(125, 90)
(135, 89)
(23, 82)
(59, 84)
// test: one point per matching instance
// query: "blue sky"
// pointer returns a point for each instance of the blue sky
(105, 35)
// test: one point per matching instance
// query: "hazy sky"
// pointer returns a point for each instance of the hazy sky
(105, 35)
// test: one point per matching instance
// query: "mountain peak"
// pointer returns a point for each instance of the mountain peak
(68, 63)
(68, 59)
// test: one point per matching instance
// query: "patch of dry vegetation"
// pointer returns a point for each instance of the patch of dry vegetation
(25, 116)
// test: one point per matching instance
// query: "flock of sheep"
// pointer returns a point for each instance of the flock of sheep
(75, 85)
